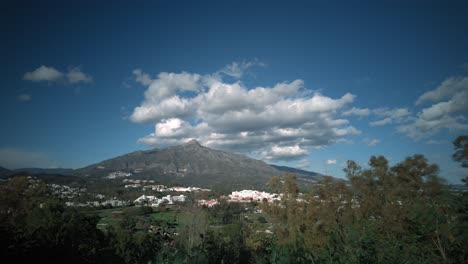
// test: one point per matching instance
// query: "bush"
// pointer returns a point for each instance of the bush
(262, 220)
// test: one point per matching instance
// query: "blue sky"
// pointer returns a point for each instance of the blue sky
(299, 84)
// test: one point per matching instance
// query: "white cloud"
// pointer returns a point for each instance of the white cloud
(391, 116)
(331, 162)
(172, 128)
(277, 122)
(357, 111)
(436, 142)
(422, 128)
(447, 89)
(142, 77)
(371, 142)
(395, 113)
(449, 114)
(12, 158)
(24, 97)
(50, 74)
(43, 73)
(238, 69)
(284, 153)
(381, 122)
(75, 75)
(161, 99)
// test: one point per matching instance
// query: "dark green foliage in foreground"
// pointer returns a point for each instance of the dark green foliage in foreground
(35, 227)
(384, 214)
(399, 214)
(131, 245)
(461, 150)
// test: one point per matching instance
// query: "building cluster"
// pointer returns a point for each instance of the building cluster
(187, 189)
(65, 192)
(154, 201)
(131, 183)
(143, 184)
(252, 195)
(243, 196)
(208, 203)
(118, 174)
(110, 202)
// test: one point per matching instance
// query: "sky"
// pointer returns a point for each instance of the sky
(303, 84)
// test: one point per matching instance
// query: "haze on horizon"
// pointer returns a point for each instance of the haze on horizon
(307, 85)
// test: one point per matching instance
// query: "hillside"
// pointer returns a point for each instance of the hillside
(189, 163)
(301, 174)
(4, 171)
(61, 171)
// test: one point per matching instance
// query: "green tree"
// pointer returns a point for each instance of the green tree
(132, 245)
(36, 227)
(461, 150)
(384, 214)
(274, 184)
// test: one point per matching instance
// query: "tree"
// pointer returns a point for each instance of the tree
(36, 227)
(274, 184)
(384, 214)
(461, 150)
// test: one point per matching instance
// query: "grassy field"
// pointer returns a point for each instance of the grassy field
(173, 216)
(170, 216)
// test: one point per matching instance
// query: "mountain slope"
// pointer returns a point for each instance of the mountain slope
(4, 171)
(306, 175)
(60, 171)
(189, 163)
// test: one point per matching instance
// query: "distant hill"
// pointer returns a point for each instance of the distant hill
(4, 171)
(51, 178)
(306, 175)
(189, 164)
(186, 164)
(60, 171)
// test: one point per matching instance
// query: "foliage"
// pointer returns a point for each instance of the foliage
(398, 214)
(461, 150)
(36, 227)
(383, 214)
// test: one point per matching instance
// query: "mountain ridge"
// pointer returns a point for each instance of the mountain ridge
(192, 163)
(186, 164)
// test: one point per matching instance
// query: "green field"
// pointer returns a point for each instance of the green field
(170, 216)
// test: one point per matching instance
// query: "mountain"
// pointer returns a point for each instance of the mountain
(4, 171)
(301, 174)
(60, 171)
(189, 164)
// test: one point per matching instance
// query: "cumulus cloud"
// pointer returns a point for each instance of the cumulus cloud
(381, 122)
(237, 69)
(75, 75)
(447, 114)
(277, 122)
(43, 73)
(436, 142)
(422, 128)
(142, 77)
(284, 153)
(447, 89)
(357, 111)
(391, 116)
(24, 97)
(371, 142)
(331, 162)
(50, 74)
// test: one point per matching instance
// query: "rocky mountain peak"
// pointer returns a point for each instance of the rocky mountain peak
(193, 142)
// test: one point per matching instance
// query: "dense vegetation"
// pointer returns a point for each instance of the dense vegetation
(384, 214)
